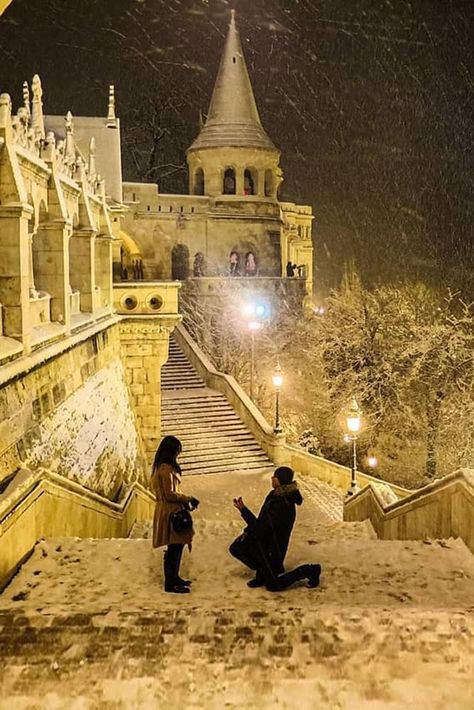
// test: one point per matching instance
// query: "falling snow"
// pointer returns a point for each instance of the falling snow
(370, 102)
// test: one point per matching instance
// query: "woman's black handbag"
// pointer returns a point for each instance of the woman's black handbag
(181, 521)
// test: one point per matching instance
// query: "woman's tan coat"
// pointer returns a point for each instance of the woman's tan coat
(165, 483)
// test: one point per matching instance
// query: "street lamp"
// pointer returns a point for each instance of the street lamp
(277, 380)
(253, 326)
(353, 421)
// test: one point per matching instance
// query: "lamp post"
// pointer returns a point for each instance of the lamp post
(353, 421)
(277, 380)
(253, 326)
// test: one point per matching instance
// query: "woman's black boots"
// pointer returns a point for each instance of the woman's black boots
(172, 560)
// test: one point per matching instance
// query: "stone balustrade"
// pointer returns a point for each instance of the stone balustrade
(442, 509)
(44, 504)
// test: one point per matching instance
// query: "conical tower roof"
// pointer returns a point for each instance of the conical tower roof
(233, 119)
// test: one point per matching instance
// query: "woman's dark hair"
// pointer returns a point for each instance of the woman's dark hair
(167, 452)
(284, 474)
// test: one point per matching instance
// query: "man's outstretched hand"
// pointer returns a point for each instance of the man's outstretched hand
(238, 503)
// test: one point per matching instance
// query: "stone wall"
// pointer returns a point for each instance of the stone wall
(145, 342)
(72, 414)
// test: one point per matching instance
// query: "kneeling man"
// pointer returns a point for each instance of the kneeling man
(264, 542)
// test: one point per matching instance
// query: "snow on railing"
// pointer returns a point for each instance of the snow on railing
(442, 509)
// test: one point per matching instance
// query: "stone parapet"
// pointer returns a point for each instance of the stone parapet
(44, 504)
(443, 509)
(153, 298)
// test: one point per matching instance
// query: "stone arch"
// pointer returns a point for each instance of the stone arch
(229, 181)
(180, 262)
(199, 182)
(235, 262)
(250, 181)
(250, 266)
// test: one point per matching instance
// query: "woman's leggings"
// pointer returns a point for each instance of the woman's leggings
(172, 560)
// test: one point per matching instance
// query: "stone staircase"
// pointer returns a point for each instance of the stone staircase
(214, 439)
(86, 625)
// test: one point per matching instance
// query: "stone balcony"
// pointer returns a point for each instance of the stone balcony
(152, 298)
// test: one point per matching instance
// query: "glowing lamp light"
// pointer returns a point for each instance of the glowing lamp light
(372, 461)
(258, 310)
(254, 325)
(277, 377)
(353, 418)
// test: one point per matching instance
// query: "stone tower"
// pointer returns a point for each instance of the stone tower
(232, 154)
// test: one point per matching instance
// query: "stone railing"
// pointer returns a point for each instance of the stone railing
(333, 473)
(272, 444)
(444, 508)
(45, 504)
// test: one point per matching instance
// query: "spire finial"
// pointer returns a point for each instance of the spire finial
(111, 117)
(6, 117)
(69, 143)
(26, 98)
(92, 158)
(37, 119)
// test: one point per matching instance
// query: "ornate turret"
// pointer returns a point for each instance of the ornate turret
(232, 153)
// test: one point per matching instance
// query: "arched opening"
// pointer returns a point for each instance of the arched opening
(250, 181)
(268, 183)
(180, 262)
(199, 182)
(235, 263)
(251, 264)
(228, 187)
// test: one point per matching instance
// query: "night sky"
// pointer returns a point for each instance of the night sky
(370, 102)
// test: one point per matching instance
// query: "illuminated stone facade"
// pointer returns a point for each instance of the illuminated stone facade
(233, 205)
(69, 380)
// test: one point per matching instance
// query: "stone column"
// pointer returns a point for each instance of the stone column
(239, 181)
(144, 347)
(51, 267)
(15, 272)
(82, 267)
(103, 260)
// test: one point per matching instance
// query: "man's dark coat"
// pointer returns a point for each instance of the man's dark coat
(269, 533)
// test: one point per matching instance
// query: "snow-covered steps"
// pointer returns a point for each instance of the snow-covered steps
(214, 439)
(86, 623)
(177, 372)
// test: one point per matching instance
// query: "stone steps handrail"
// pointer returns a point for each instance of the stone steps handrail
(442, 509)
(45, 504)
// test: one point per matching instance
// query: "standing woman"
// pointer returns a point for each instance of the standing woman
(165, 482)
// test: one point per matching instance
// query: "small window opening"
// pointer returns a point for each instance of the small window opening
(229, 182)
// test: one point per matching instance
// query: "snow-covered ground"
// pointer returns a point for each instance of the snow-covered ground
(391, 625)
